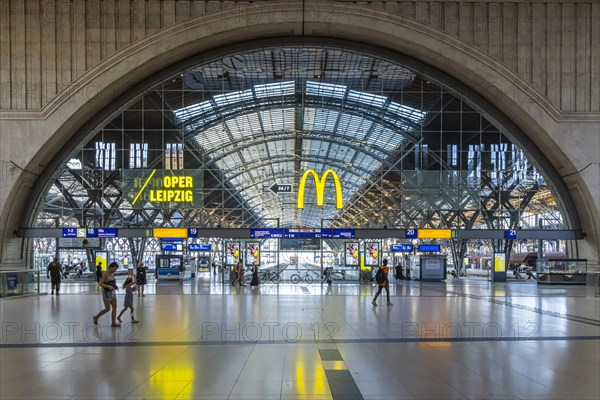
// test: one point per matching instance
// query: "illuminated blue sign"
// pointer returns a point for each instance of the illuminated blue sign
(199, 247)
(89, 232)
(402, 248)
(342, 233)
(171, 247)
(429, 247)
(171, 240)
(69, 232)
(105, 233)
(412, 233)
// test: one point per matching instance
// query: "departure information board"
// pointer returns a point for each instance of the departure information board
(291, 233)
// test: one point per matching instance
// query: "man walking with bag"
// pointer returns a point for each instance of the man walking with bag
(381, 277)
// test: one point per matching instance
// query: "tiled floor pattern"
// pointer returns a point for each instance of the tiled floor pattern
(455, 340)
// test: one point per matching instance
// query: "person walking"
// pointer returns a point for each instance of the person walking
(239, 270)
(99, 271)
(109, 295)
(140, 278)
(381, 277)
(254, 281)
(54, 272)
(129, 287)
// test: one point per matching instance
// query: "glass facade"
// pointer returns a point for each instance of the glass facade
(408, 151)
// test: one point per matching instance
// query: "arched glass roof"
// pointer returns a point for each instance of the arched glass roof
(408, 150)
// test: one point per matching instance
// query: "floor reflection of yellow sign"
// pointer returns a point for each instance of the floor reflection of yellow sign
(320, 188)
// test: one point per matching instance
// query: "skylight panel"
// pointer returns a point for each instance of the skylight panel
(244, 125)
(385, 138)
(325, 89)
(183, 114)
(233, 97)
(213, 137)
(275, 89)
(407, 112)
(354, 125)
(281, 148)
(366, 162)
(367, 98)
(276, 120)
(325, 120)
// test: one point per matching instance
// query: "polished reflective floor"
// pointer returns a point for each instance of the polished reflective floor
(460, 339)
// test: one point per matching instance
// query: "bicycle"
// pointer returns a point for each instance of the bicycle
(267, 275)
(366, 277)
(306, 276)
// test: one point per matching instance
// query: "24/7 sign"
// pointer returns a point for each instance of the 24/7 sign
(280, 188)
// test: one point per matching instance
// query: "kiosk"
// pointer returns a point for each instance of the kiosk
(168, 267)
(429, 268)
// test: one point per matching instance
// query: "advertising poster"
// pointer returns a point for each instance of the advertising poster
(232, 253)
(252, 253)
(352, 254)
(371, 254)
(499, 262)
(102, 257)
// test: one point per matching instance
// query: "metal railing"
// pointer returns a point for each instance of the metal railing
(20, 282)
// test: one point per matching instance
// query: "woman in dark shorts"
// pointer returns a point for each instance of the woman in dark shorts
(140, 278)
(109, 295)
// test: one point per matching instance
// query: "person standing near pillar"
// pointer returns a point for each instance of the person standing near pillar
(140, 278)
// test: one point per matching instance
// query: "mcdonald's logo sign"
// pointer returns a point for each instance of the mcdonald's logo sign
(320, 188)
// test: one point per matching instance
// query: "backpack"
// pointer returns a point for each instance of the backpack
(380, 276)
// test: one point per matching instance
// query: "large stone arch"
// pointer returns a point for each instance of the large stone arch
(568, 142)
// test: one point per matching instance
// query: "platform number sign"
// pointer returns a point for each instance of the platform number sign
(192, 232)
(411, 233)
(510, 234)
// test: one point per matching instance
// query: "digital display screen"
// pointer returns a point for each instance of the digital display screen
(429, 247)
(232, 253)
(252, 252)
(342, 233)
(199, 247)
(351, 253)
(434, 234)
(106, 232)
(402, 248)
(170, 232)
(372, 254)
(300, 244)
(171, 246)
(266, 233)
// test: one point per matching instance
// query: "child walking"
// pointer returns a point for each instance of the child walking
(129, 287)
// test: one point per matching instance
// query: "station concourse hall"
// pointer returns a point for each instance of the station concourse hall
(302, 199)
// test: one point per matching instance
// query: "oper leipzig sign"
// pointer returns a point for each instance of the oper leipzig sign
(182, 187)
